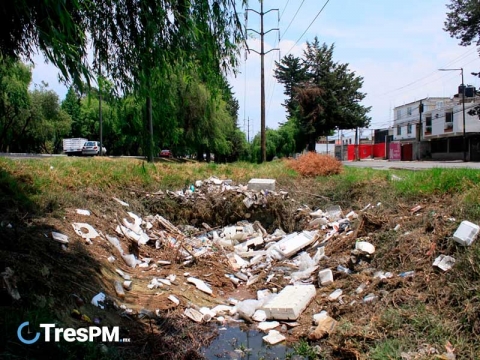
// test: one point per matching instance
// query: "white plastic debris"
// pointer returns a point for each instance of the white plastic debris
(268, 325)
(91, 233)
(444, 262)
(207, 314)
(83, 212)
(127, 285)
(174, 299)
(325, 277)
(200, 284)
(61, 238)
(290, 302)
(98, 299)
(120, 201)
(130, 260)
(193, 314)
(259, 316)
(111, 259)
(335, 295)
(319, 316)
(154, 283)
(365, 246)
(466, 233)
(274, 337)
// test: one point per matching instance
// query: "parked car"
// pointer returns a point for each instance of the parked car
(93, 148)
(166, 154)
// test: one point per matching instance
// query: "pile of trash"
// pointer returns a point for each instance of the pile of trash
(288, 268)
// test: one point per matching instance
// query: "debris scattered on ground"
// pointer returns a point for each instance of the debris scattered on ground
(330, 263)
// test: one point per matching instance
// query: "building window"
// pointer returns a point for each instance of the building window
(439, 105)
(399, 113)
(409, 110)
(399, 130)
(449, 120)
(428, 124)
(409, 128)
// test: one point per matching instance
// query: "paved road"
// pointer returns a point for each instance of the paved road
(411, 165)
(374, 164)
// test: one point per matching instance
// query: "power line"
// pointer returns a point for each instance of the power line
(315, 18)
(294, 16)
(284, 8)
(466, 54)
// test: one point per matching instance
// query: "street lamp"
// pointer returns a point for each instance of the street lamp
(463, 110)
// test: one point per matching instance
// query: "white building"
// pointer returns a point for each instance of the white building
(437, 132)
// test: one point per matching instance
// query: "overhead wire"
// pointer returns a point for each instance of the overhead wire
(308, 27)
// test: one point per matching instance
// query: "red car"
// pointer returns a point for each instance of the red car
(166, 154)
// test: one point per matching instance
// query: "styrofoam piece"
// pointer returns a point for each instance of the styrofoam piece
(222, 309)
(193, 314)
(208, 314)
(365, 246)
(334, 212)
(90, 234)
(319, 316)
(130, 260)
(83, 212)
(98, 299)
(325, 277)
(268, 325)
(174, 299)
(200, 284)
(120, 201)
(135, 227)
(466, 233)
(273, 337)
(335, 295)
(290, 302)
(290, 245)
(61, 238)
(444, 262)
(317, 214)
(261, 184)
(259, 316)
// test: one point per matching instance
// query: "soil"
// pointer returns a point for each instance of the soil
(61, 279)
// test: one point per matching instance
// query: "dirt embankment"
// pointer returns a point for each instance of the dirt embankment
(63, 279)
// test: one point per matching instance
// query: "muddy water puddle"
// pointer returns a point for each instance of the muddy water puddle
(235, 342)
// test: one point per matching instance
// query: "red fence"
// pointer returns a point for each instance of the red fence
(366, 151)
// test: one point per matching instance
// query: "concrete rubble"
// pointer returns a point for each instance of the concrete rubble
(254, 256)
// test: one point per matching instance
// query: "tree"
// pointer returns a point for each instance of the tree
(72, 106)
(15, 78)
(331, 96)
(290, 72)
(463, 23)
(49, 123)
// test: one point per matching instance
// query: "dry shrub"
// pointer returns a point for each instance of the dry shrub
(312, 164)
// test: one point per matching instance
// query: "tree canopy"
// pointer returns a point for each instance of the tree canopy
(126, 36)
(324, 95)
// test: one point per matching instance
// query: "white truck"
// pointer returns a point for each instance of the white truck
(73, 146)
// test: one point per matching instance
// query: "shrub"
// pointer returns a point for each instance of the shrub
(312, 164)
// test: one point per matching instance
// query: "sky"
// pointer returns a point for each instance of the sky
(397, 46)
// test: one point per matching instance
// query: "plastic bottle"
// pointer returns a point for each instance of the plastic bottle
(344, 269)
(407, 274)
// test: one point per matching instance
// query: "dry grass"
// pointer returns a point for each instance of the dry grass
(312, 164)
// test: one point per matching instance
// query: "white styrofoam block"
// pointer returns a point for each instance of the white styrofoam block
(466, 233)
(291, 245)
(261, 184)
(290, 302)
(325, 277)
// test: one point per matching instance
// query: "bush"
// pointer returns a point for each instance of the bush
(312, 164)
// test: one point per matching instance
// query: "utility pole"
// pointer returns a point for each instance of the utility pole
(262, 53)
(248, 132)
(419, 130)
